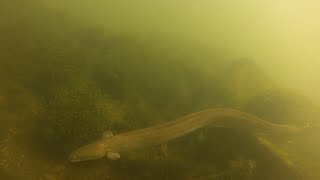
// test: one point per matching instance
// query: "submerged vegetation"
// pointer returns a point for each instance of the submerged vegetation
(63, 84)
(76, 115)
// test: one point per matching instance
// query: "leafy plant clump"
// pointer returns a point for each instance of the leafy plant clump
(77, 115)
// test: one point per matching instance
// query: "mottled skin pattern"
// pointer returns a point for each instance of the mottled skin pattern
(220, 117)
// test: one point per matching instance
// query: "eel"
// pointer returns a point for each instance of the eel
(111, 145)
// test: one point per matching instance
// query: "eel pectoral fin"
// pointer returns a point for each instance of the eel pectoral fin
(107, 134)
(113, 155)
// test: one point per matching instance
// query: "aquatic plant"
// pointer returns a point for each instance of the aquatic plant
(75, 115)
(284, 106)
(241, 80)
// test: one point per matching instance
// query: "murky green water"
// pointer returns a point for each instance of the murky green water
(66, 79)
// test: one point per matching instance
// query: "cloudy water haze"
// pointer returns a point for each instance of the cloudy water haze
(170, 89)
(282, 36)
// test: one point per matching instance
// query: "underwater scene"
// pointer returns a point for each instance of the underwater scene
(168, 90)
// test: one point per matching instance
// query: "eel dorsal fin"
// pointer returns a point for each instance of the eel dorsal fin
(113, 155)
(107, 134)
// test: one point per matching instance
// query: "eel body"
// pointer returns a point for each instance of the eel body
(111, 145)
